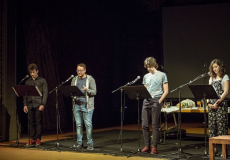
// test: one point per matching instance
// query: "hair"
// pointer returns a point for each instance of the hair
(32, 67)
(82, 65)
(150, 62)
(222, 68)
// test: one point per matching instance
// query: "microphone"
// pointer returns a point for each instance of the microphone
(69, 78)
(138, 77)
(27, 76)
(206, 74)
(163, 69)
(205, 67)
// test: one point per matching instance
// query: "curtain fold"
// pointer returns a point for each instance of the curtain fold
(40, 47)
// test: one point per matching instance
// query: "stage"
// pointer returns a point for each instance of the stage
(107, 143)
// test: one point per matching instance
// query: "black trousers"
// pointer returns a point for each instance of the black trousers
(35, 121)
(151, 110)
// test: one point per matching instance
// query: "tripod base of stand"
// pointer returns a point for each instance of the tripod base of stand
(56, 147)
(205, 149)
(119, 153)
(138, 151)
(178, 155)
(29, 146)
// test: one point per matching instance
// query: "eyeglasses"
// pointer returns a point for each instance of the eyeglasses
(79, 70)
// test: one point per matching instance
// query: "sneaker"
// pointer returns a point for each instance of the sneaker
(90, 147)
(38, 142)
(146, 149)
(31, 142)
(79, 146)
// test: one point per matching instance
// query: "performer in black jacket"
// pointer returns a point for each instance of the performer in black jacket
(35, 105)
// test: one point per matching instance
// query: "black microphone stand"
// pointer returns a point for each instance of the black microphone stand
(205, 119)
(180, 153)
(57, 115)
(120, 88)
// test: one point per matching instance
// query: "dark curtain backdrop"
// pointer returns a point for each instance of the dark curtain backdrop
(112, 38)
(41, 48)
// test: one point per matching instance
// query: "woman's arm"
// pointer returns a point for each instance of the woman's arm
(223, 96)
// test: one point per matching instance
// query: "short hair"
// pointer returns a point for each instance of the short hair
(150, 62)
(32, 67)
(222, 68)
(82, 65)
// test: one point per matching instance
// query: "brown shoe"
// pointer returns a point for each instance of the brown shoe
(146, 149)
(31, 142)
(38, 142)
(154, 150)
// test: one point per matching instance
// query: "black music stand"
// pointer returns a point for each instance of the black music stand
(137, 92)
(71, 91)
(204, 92)
(26, 91)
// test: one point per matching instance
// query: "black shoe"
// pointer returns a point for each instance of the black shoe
(90, 147)
(79, 146)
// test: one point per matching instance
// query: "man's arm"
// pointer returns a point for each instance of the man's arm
(25, 109)
(166, 91)
(92, 90)
(45, 92)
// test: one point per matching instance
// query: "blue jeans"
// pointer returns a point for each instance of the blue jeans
(80, 114)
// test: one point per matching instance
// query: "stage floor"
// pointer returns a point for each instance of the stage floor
(107, 145)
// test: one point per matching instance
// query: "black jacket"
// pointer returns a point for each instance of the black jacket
(42, 86)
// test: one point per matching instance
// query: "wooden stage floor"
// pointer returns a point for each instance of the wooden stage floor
(11, 153)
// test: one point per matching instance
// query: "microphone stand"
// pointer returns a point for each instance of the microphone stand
(120, 88)
(57, 114)
(205, 119)
(180, 153)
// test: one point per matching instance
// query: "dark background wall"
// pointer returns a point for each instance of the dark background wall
(112, 38)
(194, 35)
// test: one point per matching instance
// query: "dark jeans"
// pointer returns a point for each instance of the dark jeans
(151, 110)
(35, 120)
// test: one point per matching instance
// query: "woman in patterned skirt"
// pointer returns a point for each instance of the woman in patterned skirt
(218, 108)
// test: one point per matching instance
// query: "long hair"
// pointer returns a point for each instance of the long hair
(150, 62)
(222, 69)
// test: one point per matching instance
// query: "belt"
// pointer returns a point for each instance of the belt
(79, 103)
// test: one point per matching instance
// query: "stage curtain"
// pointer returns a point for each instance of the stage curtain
(40, 47)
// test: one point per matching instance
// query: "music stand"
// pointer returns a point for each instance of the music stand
(71, 91)
(204, 92)
(137, 92)
(26, 91)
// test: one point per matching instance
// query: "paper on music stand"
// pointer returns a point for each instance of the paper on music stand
(23, 90)
(133, 91)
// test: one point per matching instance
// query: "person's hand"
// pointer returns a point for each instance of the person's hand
(159, 101)
(41, 108)
(214, 107)
(25, 109)
(84, 88)
(210, 106)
